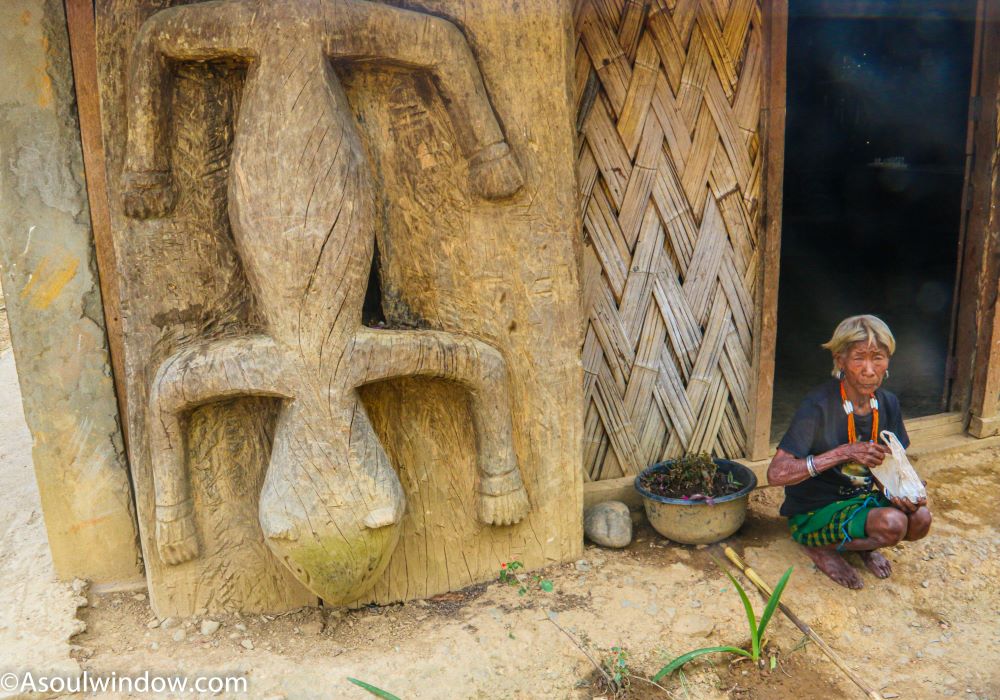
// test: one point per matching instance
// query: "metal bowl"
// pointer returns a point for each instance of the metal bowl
(698, 522)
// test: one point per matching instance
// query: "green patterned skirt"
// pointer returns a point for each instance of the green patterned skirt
(841, 521)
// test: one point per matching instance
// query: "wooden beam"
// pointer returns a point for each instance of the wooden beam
(985, 419)
(963, 224)
(766, 323)
(83, 49)
(975, 305)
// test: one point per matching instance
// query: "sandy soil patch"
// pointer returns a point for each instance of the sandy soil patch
(4, 328)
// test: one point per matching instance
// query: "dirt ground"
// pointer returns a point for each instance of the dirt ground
(4, 329)
(930, 631)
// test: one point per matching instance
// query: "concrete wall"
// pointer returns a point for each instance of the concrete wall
(54, 305)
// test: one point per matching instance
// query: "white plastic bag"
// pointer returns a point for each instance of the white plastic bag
(896, 474)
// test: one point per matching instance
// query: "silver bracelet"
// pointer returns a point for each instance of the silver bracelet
(811, 466)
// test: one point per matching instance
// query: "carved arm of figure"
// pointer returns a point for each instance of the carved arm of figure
(214, 371)
(385, 354)
(199, 32)
(354, 29)
(360, 30)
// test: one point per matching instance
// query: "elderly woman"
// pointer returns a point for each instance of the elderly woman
(832, 501)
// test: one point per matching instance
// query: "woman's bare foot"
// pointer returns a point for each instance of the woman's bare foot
(876, 563)
(834, 566)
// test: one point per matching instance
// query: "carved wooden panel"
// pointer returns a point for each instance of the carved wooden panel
(669, 165)
(268, 146)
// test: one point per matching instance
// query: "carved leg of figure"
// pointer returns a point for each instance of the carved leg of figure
(380, 355)
(199, 375)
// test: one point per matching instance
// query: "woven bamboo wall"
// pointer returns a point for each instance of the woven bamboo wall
(669, 169)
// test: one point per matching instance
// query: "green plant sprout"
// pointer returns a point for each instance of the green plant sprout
(507, 574)
(617, 669)
(377, 692)
(756, 628)
(510, 578)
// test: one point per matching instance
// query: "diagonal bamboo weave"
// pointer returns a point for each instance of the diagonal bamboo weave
(669, 169)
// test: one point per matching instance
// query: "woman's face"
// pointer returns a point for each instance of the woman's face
(864, 365)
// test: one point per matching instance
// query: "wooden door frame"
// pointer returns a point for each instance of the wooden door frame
(772, 119)
(976, 386)
(974, 364)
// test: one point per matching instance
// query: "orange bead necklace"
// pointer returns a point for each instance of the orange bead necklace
(852, 433)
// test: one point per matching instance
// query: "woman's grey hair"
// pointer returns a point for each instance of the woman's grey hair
(856, 329)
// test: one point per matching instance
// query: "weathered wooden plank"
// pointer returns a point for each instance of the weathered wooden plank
(83, 49)
(773, 131)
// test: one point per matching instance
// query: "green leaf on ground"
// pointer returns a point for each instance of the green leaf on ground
(377, 692)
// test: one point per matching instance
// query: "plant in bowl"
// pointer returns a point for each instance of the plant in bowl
(696, 499)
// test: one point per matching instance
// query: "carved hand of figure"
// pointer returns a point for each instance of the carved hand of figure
(495, 173)
(148, 195)
(176, 534)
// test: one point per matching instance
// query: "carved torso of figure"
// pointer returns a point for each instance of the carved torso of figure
(302, 209)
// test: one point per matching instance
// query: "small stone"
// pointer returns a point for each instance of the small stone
(79, 585)
(209, 627)
(179, 635)
(153, 624)
(168, 623)
(234, 635)
(582, 565)
(925, 584)
(240, 627)
(608, 524)
(154, 646)
(694, 625)
(141, 597)
(246, 644)
(866, 630)
(201, 611)
(695, 603)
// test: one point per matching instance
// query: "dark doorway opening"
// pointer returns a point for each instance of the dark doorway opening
(877, 113)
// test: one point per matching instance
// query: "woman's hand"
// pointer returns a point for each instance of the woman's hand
(869, 454)
(906, 505)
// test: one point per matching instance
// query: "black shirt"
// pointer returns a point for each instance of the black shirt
(819, 425)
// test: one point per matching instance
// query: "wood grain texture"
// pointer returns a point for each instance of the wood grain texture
(262, 239)
(82, 35)
(977, 341)
(669, 170)
(773, 138)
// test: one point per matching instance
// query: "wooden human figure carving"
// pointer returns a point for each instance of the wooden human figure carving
(302, 208)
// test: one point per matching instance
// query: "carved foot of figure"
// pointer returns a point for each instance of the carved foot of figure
(148, 195)
(176, 534)
(494, 172)
(502, 499)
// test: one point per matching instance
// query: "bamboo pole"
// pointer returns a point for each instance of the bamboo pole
(806, 629)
